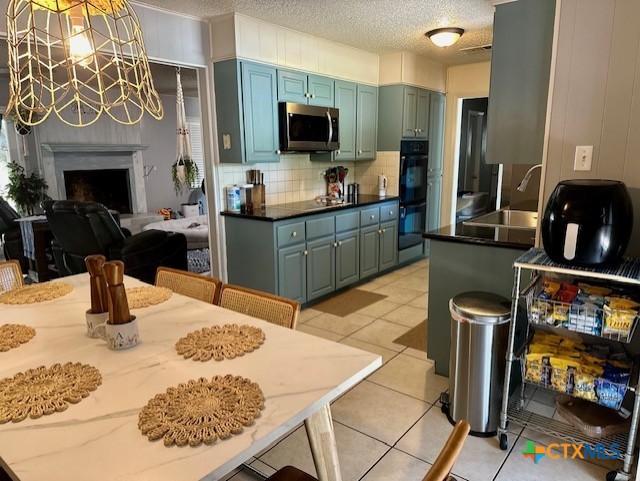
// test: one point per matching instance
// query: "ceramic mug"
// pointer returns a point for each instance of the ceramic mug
(93, 321)
(119, 336)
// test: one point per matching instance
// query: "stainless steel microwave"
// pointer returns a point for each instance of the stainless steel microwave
(307, 128)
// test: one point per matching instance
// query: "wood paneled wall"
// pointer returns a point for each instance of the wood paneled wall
(596, 96)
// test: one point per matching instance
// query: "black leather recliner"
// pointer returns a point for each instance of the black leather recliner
(84, 228)
(12, 237)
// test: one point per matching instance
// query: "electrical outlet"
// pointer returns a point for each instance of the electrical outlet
(226, 141)
(584, 154)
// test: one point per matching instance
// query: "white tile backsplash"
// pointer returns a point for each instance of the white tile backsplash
(297, 178)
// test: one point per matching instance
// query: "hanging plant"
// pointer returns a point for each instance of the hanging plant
(184, 173)
(27, 191)
(21, 128)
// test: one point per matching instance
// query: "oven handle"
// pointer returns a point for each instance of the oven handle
(330, 127)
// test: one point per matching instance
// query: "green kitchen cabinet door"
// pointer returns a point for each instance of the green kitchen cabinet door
(347, 258)
(260, 107)
(436, 133)
(345, 101)
(321, 261)
(292, 273)
(434, 201)
(321, 91)
(366, 122)
(388, 245)
(409, 112)
(422, 114)
(293, 87)
(369, 251)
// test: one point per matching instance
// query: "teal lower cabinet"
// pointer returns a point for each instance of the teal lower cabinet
(306, 258)
(321, 267)
(388, 245)
(292, 273)
(369, 251)
(347, 258)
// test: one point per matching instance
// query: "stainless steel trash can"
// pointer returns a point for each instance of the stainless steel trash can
(479, 333)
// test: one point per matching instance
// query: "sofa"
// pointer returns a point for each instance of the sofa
(84, 228)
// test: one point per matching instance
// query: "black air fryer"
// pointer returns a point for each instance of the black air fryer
(588, 222)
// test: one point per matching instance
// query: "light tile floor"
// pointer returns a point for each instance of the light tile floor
(390, 426)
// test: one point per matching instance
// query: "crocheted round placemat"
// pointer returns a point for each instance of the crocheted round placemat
(220, 342)
(12, 335)
(139, 297)
(202, 411)
(46, 390)
(33, 293)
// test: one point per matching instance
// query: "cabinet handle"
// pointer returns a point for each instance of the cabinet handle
(335, 244)
(339, 243)
(384, 230)
(313, 96)
(306, 252)
(419, 130)
(294, 234)
(373, 216)
(430, 170)
(307, 95)
(390, 212)
(337, 151)
(429, 184)
(380, 231)
(278, 151)
(359, 151)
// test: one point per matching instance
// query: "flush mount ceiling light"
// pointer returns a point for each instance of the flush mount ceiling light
(445, 37)
(79, 59)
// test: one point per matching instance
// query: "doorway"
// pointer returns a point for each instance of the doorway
(478, 182)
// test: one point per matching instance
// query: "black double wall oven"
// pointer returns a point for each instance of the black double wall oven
(414, 161)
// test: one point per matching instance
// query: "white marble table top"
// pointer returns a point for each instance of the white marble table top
(99, 437)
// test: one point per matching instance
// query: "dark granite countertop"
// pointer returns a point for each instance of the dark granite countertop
(490, 236)
(292, 210)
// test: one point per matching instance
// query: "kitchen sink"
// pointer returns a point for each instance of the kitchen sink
(507, 218)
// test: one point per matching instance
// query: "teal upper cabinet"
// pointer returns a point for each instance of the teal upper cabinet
(410, 108)
(422, 115)
(247, 112)
(436, 132)
(293, 86)
(345, 95)
(301, 88)
(259, 94)
(520, 70)
(404, 113)
(366, 122)
(322, 91)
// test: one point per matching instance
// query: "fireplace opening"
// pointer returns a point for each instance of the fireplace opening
(110, 187)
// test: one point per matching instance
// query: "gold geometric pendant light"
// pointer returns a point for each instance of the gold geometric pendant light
(79, 59)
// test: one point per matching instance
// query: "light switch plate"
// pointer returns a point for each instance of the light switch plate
(226, 141)
(584, 155)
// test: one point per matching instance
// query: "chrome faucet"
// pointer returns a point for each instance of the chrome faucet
(527, 177)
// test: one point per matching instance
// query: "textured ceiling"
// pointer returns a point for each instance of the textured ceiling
(380, 26)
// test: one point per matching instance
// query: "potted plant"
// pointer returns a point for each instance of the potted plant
(27, 191)
(184, 172)
(21, 128)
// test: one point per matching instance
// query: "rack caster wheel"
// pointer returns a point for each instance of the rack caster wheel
(504, 444)
(617, 476)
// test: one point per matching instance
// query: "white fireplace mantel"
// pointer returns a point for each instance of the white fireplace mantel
(60, 157)
(89, 148)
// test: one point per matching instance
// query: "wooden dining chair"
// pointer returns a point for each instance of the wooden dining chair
(440, 471)
(196, 286)
(10, 275)
(270, 308)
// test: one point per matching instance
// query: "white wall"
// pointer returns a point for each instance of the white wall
(160, 136)
(235, 35)
(596, 97)
(412, 69)
(463, 81)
